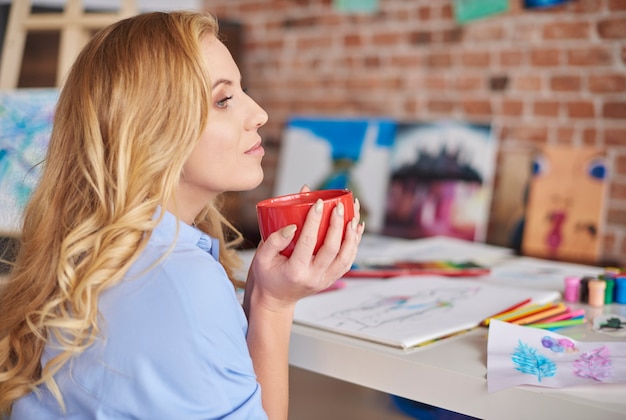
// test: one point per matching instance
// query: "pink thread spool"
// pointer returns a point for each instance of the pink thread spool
(572, 286)
(596, 292)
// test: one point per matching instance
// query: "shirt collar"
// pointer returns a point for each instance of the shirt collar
(166, 232)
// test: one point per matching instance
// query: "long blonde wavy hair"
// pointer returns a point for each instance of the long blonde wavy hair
(133, 107)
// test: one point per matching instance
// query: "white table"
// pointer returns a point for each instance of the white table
(451, 374)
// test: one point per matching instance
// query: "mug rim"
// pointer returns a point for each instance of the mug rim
(309, 197)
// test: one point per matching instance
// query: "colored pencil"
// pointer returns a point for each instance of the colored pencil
(563, 316)
(507, 310)
(525, 311)
(559, 324)
(533, 318)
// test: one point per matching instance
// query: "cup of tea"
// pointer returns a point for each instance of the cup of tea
(278, 212)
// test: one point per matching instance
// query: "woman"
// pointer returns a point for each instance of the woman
(120, 303)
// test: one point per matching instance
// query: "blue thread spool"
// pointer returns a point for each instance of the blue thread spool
(620, 289)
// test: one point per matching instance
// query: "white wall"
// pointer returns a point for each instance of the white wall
(144, 5)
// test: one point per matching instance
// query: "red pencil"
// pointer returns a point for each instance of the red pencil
(509, 309)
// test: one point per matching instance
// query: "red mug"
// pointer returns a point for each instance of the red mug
(278, 212)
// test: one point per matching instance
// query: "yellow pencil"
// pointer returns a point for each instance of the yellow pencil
(526, 311)
(558, 309)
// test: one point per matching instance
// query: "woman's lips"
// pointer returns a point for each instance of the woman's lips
(257, 149)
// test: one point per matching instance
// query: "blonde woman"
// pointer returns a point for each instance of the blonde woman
(120, 304)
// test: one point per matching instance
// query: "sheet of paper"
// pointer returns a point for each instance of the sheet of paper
(408, 311)
(518, 355)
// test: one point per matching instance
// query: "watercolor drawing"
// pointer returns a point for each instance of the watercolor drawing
(518, 355)
(25, 127)
(565, 209)
(337, 153)
(441, 178)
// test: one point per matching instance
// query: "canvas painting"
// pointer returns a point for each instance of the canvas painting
(565, 210)
(337, 153)
(25, 127)
(441, 177)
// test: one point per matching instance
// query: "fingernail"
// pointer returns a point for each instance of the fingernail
(354, 224)
(288, 231)
(319, 205)
(340, 209)
(357, 205)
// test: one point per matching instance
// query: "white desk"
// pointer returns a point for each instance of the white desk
(451, 373)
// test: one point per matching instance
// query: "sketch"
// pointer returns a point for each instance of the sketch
(549, 359)
(25, 127)
(408, 311)
(441, 177)
(331, 153)
(565, 205)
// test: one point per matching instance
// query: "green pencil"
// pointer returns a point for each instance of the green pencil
(558, 324)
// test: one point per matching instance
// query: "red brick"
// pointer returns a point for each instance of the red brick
(439, 60)
(527, 83)
(424, 13)
(608, 83)
(531, 133)
(590, 136)
(585, 6)
(546, 108)
(623, 54)
(407, 60)
(566, 30)
(617, 137)
(479, 59)
(614, 28)
(545, 57)
(469, 83)
(580, 109)
(617, 5)
(441, 106)
(618, 191)
(565, 135)
(352, 40)
(617, 216)
(388, 38)
(435, 82)
(512, 58)
(477, 107)
(614, 110)
(484, 33)
(512, 108)
(620, 165)
(565, 83)
(592, 56)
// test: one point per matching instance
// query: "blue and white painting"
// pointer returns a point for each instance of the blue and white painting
(338, 153)
(25, 127)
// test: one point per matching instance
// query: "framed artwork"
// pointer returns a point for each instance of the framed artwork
(25, 127)
(565, 209)
(441, 178)
(337, 153)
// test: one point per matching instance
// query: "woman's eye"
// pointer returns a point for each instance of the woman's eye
(597, 169)
(223, 103)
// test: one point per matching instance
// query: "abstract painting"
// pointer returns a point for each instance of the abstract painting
(25, 127)
(337, 153)
(441, 177)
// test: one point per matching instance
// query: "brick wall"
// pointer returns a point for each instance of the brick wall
(538, 76)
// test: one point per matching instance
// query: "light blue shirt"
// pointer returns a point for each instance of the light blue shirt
(173, 343)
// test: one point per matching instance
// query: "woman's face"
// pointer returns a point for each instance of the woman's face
(229, 153)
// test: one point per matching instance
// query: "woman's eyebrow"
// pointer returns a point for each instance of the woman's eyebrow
(222, 81)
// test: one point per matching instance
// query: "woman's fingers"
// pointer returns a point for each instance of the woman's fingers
(308, 235)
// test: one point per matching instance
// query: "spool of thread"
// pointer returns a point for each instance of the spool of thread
(620, 289)
(572, 286)
(596, 292)
(584, 289)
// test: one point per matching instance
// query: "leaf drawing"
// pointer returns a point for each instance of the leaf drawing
(595, 364)
(526, 360)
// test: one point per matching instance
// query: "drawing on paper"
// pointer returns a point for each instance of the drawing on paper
(549, 359)
(441, 180)
(527, 360)
(397, 309)
(25, 127)
(595, 364)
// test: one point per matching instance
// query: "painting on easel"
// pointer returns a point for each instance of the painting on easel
(565, 206)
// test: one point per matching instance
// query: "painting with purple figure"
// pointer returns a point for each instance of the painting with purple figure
(338, 153)
(441, 178)
(25, 127)
(520, 355)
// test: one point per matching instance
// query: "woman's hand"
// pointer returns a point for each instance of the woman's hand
(278, 282)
